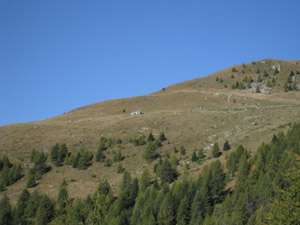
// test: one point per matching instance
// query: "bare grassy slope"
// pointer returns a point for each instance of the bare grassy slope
(189, 117)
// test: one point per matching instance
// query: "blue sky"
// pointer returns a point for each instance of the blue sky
(58, 55)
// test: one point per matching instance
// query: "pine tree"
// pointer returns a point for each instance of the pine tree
(201, 205)
(102, 146)
(5, 211)
(166, 172)
(6, 162)
(62, 198)
(15, 174)
(40, 162)
(174, 161)
(118, 156)
(166, 214)
(120, 168)
(150, 154)
(45, 211)
(83, 159)
(63, 151)
(216, 150)
(242, 174)
(100, 157)
(217, 182)
(285, 208)
(54, 153)
(226, 146)
(150, 137)
(33, 204)
(145, 180)
(31, 180)
(183, 213)
(5, 176)
(19, 215)
(162, 136)
(201, 156)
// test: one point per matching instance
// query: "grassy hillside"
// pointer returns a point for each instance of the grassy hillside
(193, 114)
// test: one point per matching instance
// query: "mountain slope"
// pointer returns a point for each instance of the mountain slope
(192, 114)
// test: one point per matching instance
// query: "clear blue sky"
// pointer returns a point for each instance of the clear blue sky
(58, 55)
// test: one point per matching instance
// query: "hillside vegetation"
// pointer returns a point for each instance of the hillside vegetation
(267, 190)
(244, 104)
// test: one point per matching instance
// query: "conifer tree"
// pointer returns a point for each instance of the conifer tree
(166, 214)
(39, 161)
(62, 198)
(226, 146)
(162, 136)
(201, 156)
(33, 204)
(4, 179)
(102, 146)
(145, 180)
(6, 163)
(63, 151)
(166, 172)
(285, 206)
(31, 180)
(183, 213)
(101, 203)
(82, 160)
(217, 182)
(54, 153)
(201, 205)
(174, 161)
(216, 150)
(150, 137)
(120, 168)
(5, 211)
(100, 157)
(19, 215)
(242, 174)
(118, 156)
(150, 154)
(45, 211)
(32, 155)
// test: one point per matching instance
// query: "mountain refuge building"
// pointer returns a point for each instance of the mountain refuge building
(138, 112)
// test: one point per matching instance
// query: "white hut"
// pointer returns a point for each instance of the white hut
(138, 112)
